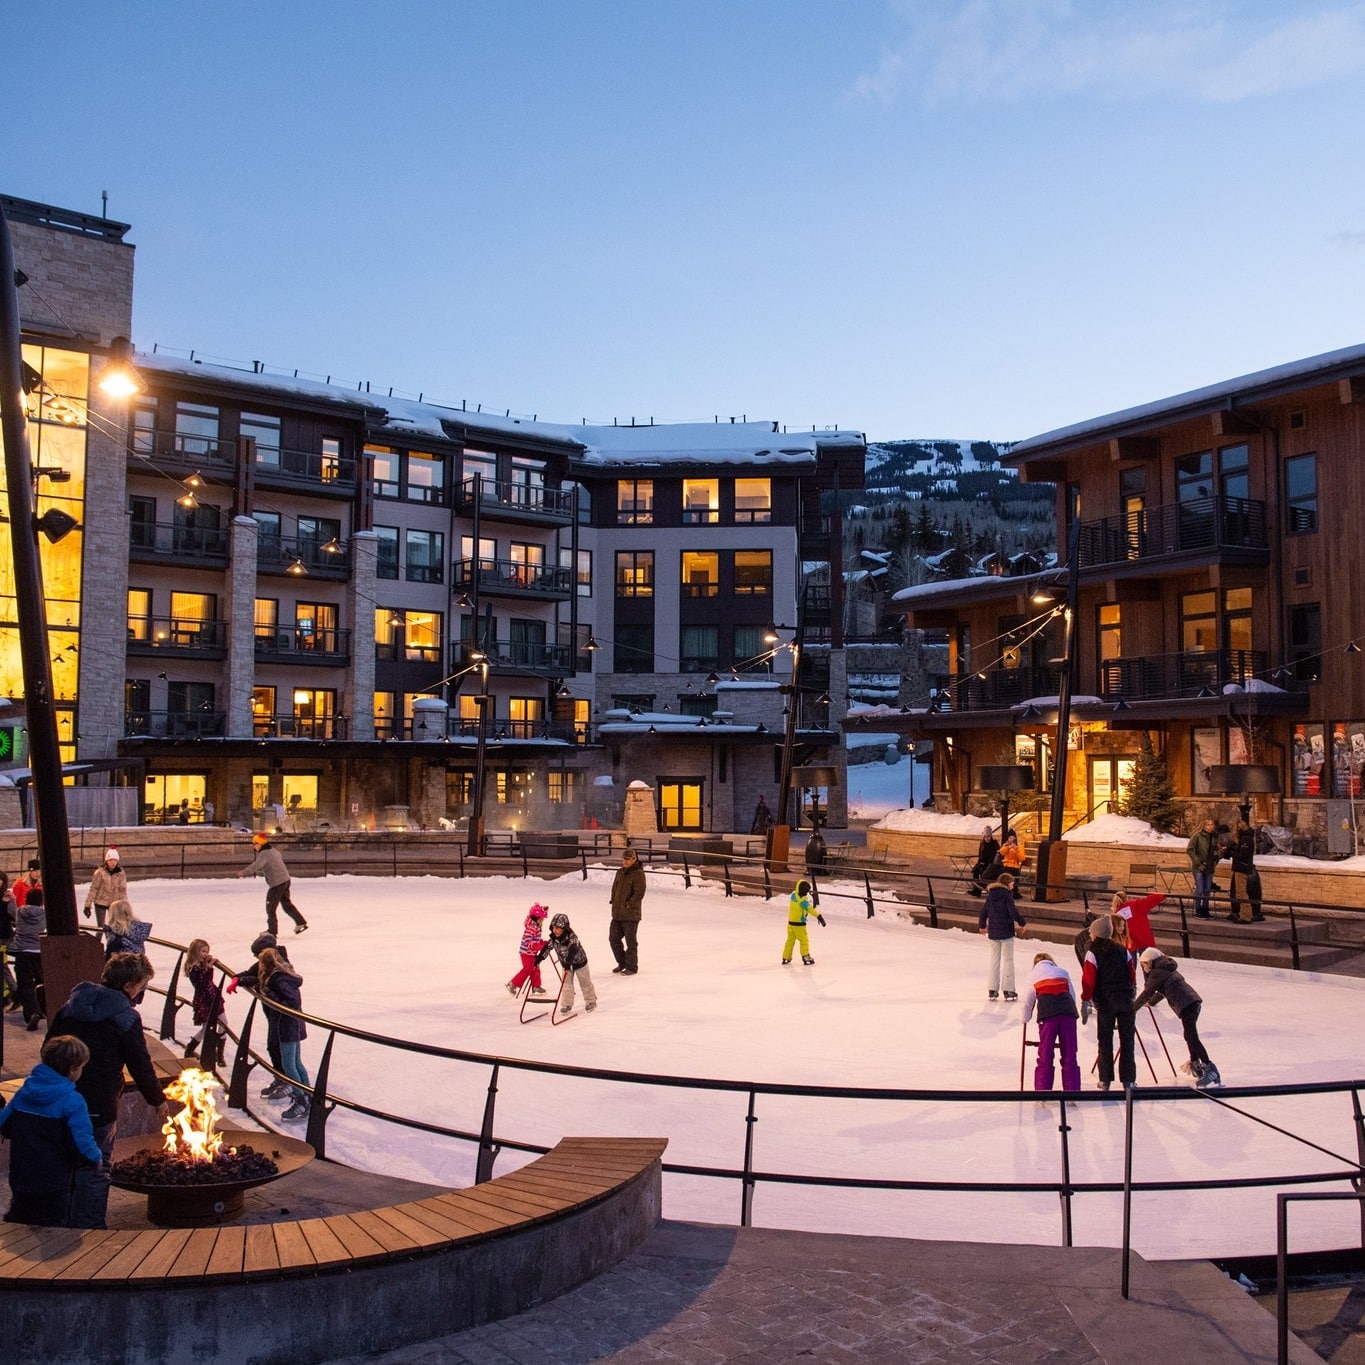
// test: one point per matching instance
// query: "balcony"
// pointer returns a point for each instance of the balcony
(172, 635)
(1201, 529)
(317, 558)
(325, 475)
(527, 659)
(297, 645)
(509, 578)
(289, 725)
(173, 453)
(999, 688)
(517, 502)
(1161, 676)
(174, 724)
(163, 540)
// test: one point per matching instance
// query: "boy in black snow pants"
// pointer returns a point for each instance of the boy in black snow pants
(1164, 981)
(1107, 987)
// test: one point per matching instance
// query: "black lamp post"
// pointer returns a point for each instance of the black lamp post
(45, 758)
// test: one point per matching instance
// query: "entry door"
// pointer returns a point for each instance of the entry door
(680, 804)
(1108, 779)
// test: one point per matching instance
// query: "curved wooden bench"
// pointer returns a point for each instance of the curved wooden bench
(341, 1285)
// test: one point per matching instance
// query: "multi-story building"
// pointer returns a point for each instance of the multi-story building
(346, 608)
(1218, 612)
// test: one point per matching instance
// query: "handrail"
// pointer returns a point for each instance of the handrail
(490, 1143)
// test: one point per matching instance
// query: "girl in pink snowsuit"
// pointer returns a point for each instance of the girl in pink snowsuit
(531, 944)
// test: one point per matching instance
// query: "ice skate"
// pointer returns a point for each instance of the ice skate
(590, 1008)
(1208, 1077)
(1011, 995)
(992, 995)
(566, 1009)
(786, 962)
(809, 961)
(296, 1111)
(513, 990)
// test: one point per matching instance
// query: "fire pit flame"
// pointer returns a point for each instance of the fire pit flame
(192, 1134)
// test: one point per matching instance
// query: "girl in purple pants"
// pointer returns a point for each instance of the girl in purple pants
(1050, 989)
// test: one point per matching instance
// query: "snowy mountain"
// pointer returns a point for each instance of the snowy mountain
(940, 469)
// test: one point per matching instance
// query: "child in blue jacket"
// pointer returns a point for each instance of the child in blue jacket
(51, 1138)
(799, 909)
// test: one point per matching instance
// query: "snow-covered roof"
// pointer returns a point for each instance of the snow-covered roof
(1280, 378)
(754, 444)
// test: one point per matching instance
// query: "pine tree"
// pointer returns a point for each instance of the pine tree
(1149, 794)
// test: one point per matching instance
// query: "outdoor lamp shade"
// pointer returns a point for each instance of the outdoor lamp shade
(1005, 778)
(815, 776)
(1244, 779)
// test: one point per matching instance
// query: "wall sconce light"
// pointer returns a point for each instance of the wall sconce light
(120, 379)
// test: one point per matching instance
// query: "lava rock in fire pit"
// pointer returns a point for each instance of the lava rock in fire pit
(232, 1164)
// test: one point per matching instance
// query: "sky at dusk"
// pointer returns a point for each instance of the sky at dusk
(935, 218)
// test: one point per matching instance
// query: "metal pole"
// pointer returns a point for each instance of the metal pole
(45, 758)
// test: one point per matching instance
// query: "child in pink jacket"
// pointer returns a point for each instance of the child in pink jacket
(531, 944)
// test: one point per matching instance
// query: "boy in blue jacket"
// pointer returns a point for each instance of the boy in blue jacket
(49, 1128)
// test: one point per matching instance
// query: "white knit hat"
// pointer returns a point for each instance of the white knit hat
(111, 855)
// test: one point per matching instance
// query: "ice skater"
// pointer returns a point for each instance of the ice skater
(573, 962)
(1163, 981)
(531, 944)
(999, 921)
(1050, 989)
(1107, 987)
(799, 908)
(1136, 912)
(269, 862)
(208, 997)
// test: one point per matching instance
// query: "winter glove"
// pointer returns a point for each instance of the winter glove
(232, 986)
(820, 919)
(87, 912)
(1085, 1011)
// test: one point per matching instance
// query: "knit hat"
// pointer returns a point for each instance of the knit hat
(259, 839)
(538, 911)
(262, 941)
(1149, 955)
(111, 855)
(34, 865)
(1102, 928)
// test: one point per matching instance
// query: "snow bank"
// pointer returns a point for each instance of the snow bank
(1122, 829)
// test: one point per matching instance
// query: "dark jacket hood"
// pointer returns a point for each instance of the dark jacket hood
(96, 1004)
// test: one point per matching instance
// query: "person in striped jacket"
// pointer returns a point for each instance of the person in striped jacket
(1051, 992)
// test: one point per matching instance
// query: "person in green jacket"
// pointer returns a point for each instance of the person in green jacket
(799, 908)
(1204, 851)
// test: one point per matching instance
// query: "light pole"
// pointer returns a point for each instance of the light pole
(779, 835)
(1052, 851)
(45, 758)
(483, 701)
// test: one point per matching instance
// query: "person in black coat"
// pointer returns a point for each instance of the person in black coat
(573, 962)
(102, 1015)
(279, 982)
(1246, 881)
(1107, 987)
(987, 854)
(998, 920)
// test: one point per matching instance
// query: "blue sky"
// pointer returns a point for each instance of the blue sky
(979, 218)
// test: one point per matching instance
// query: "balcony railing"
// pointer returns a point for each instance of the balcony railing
(518, 656)
(998, 689)
(170, 635)
(173, 451)
(509, 578)
(1202, 525)
(305, 469)
(517, 500)
(288, 725)
(277, 554)
(1180, 675)
(174, 724)
(165, 540)
(297, 644)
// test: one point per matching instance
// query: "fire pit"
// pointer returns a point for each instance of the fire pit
(194, 1172)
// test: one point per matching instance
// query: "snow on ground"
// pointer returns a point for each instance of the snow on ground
(888, 1004)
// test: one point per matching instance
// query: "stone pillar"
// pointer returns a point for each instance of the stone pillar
(358, 693)
(241, 659)
(641, 816)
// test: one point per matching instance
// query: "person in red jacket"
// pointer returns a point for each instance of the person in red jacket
(1136, 911)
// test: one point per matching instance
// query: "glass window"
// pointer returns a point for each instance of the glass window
(386, 561)
(142, 523)
(196, 429)
(528, 563)
(422, 636)
(701, 502)
(753, 572)
(139, 613)
(314, 712)
(144, 427)
(388, 632)
(700, 573)
(699, 649)
(384, 708)
(753, 500)
(1234, 477)
(634, 649)
(1237, 631)
(331, 459)
(635, 573)
(1301, 494)
(384, 471)
(635, 502)
(137, 706)
(528, 482)
(315, 626)
(1194, 477)
(680, 805)
(425, 556)
(1198, 622)
(480, 463)
(1305, 641)
(426, 478)
(1109, 632)
(265, 431)
(583, 576)
(751, 650)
